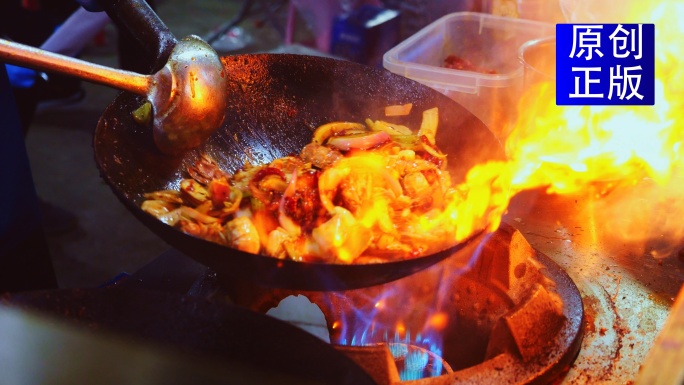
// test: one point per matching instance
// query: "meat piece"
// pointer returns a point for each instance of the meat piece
(320, 156)
(458, 63)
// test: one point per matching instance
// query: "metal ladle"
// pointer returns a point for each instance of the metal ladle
(188, 94)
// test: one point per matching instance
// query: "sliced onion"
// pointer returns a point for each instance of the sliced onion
(428, 126)
(170, 196)
(407, 142)
(398, 110)
(359, 141)
(170, 218)
(233, 203)
(329, 129)
(157, 208)
(190, 213)
(390, 128)
(431, 148)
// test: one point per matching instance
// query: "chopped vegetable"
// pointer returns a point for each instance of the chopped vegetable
(392, 129)
(143, 114)
(428, 127)
(398, 110)
(329, 129)
(363, 141)
(358, 193)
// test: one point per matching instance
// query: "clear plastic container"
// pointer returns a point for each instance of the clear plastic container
(488, 43)
(541, 10)
(539, 60)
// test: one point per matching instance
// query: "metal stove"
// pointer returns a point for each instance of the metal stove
(564, 302)
(499, 312)
(627, 287)
(615, 296)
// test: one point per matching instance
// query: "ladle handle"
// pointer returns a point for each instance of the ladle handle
(27, 56)
(138, 18)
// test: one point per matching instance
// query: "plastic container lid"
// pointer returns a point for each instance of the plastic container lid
(491, 82)
(487, 41)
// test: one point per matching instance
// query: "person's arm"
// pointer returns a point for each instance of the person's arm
(76, 32)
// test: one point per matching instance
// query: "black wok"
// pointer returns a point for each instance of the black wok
(275, 103)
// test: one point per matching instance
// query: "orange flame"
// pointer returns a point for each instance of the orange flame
(400, 328)
(567, 149)
(438, 321)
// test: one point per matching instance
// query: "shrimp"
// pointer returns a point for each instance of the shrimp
(342, 237)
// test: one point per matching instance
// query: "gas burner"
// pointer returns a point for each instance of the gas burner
(510, 315)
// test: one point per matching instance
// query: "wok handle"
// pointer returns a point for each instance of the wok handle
(24, 55)
(138, 18)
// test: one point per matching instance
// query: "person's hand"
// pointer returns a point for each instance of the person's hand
(90, 5)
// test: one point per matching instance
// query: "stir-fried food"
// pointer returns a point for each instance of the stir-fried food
(357, 193)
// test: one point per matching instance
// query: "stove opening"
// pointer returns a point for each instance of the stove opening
(509, 315)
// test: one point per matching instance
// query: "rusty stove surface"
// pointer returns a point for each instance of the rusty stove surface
(627, 291)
